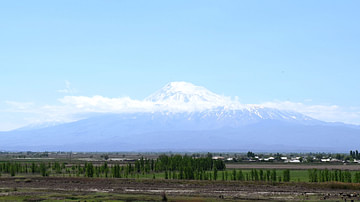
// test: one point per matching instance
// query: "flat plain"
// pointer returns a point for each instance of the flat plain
(100, 189)
(67, 179)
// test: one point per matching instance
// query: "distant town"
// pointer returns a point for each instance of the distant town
(249, 157)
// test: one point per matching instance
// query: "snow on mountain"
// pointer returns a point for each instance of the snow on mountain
(176, 92)
(180, 97)
(183, 96)
(183, 117)
(175, 97)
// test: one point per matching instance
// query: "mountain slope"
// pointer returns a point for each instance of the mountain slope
(190, 118)
(183, 132)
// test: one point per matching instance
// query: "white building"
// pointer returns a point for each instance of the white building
(294, 161)
(217, 158)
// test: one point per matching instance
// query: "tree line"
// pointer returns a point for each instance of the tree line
(191, 170)
(180, 167)
(171, 167)
(333, 176)
(355, 154)
(257, 175)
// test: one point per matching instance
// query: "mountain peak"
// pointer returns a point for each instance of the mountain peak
(182, 87)
(184, 92)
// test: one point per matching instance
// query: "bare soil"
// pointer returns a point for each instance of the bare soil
(218, 190)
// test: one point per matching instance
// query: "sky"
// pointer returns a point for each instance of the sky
(296, 55)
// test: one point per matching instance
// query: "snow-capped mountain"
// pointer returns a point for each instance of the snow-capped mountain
(187, 97)
(183, 96)
(185, 117)
(183, 92)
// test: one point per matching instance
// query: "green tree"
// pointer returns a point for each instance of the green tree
(89, 169)
(240, 176)
(12, 170)
(357, 177)
(313, 175)
(286, 175)
(348, 177)
(215, 173)
(43, 170)
(234, 175)
(268, 175)
(273, 175)
(250, 154)
(261, 175)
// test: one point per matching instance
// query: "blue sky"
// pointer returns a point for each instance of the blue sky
(304, 52)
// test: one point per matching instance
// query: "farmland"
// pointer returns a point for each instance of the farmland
(154, 177)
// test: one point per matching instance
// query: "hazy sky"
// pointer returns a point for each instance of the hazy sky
(303, 53)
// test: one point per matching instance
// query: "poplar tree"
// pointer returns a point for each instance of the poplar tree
(286, 175)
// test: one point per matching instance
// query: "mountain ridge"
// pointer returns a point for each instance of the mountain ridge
(202, 120)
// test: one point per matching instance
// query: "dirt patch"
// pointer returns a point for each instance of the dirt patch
(212, 189)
